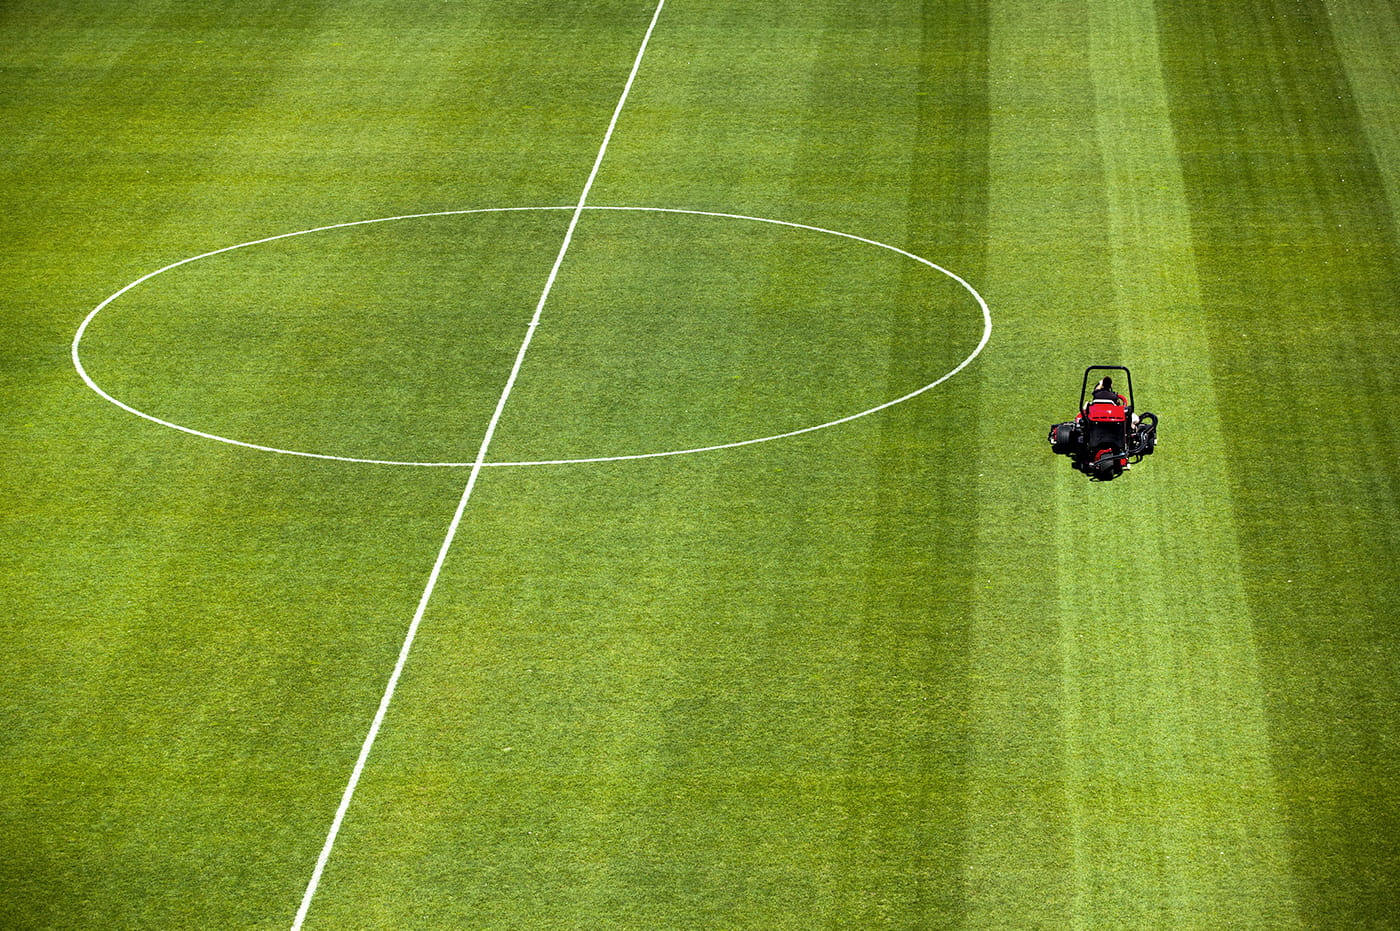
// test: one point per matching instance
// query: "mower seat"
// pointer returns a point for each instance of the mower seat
(1105, 412)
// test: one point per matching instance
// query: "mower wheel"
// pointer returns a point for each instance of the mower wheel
(1064, 437)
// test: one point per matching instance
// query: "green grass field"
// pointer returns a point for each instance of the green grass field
(905, 671)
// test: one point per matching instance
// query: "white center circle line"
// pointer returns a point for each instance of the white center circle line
(963, 283)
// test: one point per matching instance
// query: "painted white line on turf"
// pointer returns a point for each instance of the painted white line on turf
(392, 685)
(982, 304)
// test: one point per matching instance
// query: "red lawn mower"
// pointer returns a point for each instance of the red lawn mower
(1106, 436)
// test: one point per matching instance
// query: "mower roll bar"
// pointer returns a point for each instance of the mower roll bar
(1084, 389)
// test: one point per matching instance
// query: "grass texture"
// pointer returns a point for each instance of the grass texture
(905, 672)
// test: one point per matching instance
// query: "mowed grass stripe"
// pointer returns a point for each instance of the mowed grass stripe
(1298, 263)
(924, 146)
(1181, 809)
(1046, 264)
(1366, 33)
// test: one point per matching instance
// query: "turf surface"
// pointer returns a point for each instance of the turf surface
(909, 671)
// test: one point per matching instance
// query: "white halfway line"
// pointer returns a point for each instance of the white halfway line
(467, 492)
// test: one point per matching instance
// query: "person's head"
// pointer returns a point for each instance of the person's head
(1107, 383)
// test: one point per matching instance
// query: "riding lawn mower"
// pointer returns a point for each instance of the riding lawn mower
(1107, 436)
